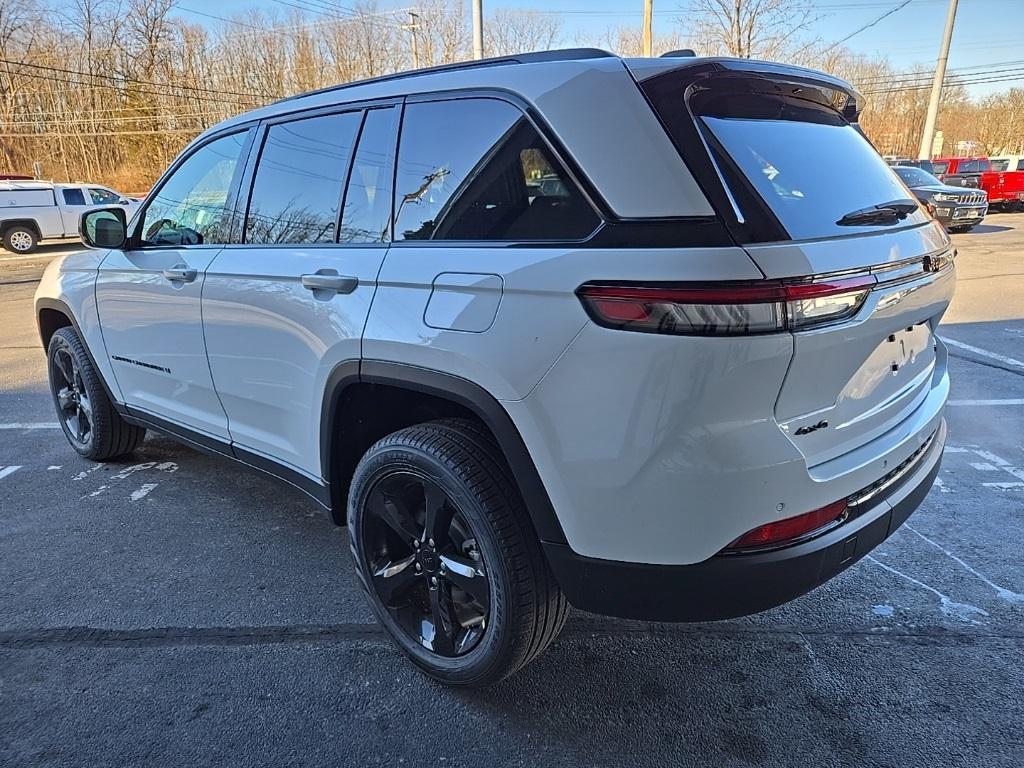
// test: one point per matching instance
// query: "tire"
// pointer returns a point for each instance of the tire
(524, 609)
(21, 239)
(87, 416)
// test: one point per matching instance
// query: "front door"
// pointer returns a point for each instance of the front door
(285, 307)
(148, 295)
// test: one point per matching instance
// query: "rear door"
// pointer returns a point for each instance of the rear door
(148, 294)
(768, 138)
(287, 305)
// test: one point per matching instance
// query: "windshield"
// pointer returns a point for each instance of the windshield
(915, 177)
(811, 174)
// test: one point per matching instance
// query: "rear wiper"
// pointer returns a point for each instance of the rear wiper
(883, 213)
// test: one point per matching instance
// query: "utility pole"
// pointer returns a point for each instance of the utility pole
(648, 24)
(925, 152)
(413, 26)
(478, 29)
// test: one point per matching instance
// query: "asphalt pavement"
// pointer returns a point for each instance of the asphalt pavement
(176, 609)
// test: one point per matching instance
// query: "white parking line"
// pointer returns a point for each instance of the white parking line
(983, 352)
(6, 471)
(31, 425)
(986, 402)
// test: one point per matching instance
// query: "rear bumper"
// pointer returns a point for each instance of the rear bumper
(724, 587)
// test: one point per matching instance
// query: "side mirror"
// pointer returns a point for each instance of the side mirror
(104, 228)
(123, 201)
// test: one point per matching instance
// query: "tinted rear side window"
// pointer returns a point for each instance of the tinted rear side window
(476, 169)
(367, 217)
(296, 193)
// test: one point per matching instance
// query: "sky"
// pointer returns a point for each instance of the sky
(987, 32)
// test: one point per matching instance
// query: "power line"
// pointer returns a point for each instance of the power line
(926, 86)
(125, 80)
(870, 24)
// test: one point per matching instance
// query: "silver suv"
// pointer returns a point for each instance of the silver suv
(564, 328)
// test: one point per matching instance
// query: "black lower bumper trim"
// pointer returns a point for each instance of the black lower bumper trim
(727, 587)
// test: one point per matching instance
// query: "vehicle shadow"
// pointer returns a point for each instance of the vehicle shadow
(987, 229)
(730, 694)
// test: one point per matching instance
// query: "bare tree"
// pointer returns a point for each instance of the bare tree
(518, 31)
(749, 29)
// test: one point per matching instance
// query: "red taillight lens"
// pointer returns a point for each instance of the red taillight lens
(725, 309)
(792, 528)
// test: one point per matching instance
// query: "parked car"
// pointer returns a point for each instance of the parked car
(692, 380)
(958, 209)
(924, 165)
(1005, 189)
(1007, 163)
(32, 211)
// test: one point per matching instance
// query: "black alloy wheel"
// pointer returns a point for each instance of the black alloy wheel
(446, 551)
(424, 563)
(87, 415)
(73, 404)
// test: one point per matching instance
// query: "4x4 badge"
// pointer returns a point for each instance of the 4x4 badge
(806, 430)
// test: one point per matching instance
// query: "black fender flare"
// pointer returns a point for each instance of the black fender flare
(463, 392)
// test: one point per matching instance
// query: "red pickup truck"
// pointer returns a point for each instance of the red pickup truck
(1005, 189)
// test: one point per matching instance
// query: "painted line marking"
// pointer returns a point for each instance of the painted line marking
(959, 403)
(947, 605)
(143, 491)
(982, 466)
(1004, 486)
(54, 466)
(1006, 594)
(31, 425)
(983, 352)
(7, 471)
(954, 449)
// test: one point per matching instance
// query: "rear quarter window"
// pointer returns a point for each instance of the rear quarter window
(476, 169)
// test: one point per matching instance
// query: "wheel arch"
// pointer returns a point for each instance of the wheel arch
(365, 400)
(54, 314)
(29, 223)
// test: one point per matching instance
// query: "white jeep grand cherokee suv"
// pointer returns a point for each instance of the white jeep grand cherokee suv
(563, 328)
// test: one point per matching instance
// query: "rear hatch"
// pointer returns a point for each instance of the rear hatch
(788, 169)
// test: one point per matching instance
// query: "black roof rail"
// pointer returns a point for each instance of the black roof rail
(535, 57)
(687, 53)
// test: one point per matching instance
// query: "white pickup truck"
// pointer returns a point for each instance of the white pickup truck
(31, 211)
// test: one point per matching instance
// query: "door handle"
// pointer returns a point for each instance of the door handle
(180, 274)
(334, 283)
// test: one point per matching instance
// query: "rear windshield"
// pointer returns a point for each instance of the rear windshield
(811, 174)
(915, 177)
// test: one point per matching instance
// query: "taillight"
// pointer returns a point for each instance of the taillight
(724, 309)
(791, 529)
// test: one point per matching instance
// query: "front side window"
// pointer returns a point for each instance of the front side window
(476, 169)
(191, 208)
(74, 197)
(939, 167)
(102, 196)
(296, 193)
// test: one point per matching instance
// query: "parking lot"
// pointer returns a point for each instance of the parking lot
(176, 609)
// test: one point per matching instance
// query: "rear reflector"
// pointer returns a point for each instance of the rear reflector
(791, 529)
(725, 309)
